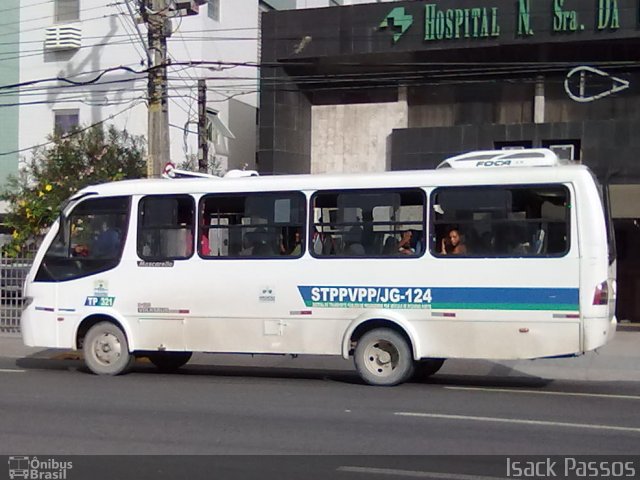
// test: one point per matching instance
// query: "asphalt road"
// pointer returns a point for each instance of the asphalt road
(56, 407)
(219, 405)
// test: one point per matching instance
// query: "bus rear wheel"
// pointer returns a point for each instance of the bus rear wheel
(169, 361)
(383, 358)
(106, 350)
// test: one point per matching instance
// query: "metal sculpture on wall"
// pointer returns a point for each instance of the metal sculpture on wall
(584, 72)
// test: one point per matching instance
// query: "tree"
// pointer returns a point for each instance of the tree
(54, 173)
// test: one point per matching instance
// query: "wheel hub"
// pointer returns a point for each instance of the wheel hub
(381, 358)
(107, 349)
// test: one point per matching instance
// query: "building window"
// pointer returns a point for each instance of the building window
(213, 10)
(66, 11)
(165, 227)
(522, 145)
(65, 121)
(500, 221)
(564, 149)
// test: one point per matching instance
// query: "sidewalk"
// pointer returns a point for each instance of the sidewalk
(617, 361)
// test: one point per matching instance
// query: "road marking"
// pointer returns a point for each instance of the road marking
(520, 421)
(536, 392)
(11, 370)
(414, 473)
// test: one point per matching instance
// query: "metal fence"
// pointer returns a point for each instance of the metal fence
(12, 274)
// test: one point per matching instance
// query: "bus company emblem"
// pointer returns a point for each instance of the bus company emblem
(100, 288)
(397, 19)
(267, 295)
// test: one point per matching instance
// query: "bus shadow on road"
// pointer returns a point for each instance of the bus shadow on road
(497, 377)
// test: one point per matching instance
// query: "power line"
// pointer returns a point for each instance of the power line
(34, 29)
(72, 82)
(21, 7)
(125, 25)
(75, 132)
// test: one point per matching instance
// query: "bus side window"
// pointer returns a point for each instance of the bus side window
(253, 225)
(523, 221)
(363, 223)
(166, 226)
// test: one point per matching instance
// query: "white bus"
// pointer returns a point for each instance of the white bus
(503, 261)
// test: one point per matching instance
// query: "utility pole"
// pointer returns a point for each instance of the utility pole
(156, 15)
(203, 141)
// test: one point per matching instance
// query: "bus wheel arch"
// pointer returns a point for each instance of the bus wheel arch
(105, 345)
(360, 328)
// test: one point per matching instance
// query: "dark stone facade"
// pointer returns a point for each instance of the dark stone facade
(343, 55)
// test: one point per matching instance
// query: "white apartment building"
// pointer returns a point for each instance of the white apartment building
(100, 46)
(83, 62)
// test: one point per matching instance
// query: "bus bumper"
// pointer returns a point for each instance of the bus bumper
(598, 331)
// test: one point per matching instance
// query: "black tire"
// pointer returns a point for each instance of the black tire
(383, 358)
(423, 369)
(106, 350)
(169, 361)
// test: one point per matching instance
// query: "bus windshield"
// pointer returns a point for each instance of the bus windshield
(89, 240)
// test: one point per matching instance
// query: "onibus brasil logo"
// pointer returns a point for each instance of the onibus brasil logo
(32, 468)
(399, 21)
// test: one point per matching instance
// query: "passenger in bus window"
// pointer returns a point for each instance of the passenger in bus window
(323, 243)
(296, 249)
(410, 243)
(405, 245)
(453, 243)
(205, 249)
(247, 246)
(297, 244)
(107, 245)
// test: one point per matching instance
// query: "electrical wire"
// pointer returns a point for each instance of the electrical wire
(75, 132)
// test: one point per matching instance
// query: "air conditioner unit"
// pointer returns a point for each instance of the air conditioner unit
(63, 37)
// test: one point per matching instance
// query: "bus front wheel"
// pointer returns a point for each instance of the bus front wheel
(383, 358)
(169, 361)
(106, 350)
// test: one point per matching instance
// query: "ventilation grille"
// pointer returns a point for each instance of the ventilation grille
(63, 37)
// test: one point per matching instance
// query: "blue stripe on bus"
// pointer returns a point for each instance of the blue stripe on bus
(493, 298)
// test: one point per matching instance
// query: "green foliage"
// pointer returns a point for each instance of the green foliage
(56, 172)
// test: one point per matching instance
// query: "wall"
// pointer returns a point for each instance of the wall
(242, 122)
(451, 104)
(109, 40)
(354, 138)
(609, 147)
(9, 74)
